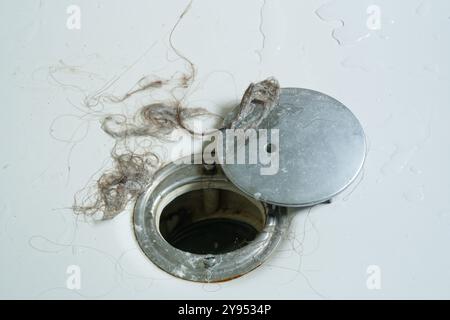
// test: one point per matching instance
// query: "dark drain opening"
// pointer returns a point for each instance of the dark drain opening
(211, 221)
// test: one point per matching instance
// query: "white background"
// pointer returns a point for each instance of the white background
(395, 79)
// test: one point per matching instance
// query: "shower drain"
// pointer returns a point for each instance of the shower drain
(196, 225)
(212, 223)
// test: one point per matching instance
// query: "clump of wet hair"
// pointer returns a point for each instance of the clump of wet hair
(135, 166)
(156, 120)
(116, 187)
(257, 102)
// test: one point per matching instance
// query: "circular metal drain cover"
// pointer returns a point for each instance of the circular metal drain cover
(321, 151)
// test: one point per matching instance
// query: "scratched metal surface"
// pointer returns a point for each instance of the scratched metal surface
(389, 64)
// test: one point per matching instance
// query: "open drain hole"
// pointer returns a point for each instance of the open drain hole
(211, 221)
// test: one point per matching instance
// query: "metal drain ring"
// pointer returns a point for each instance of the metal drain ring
(176, 179)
